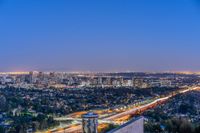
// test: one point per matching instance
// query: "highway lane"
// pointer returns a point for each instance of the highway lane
(146, 105)
(129, 112)
(78, 129)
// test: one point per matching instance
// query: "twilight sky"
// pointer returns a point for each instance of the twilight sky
(100, 35)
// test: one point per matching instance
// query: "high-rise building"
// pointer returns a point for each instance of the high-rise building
(138, 82)
(90, 122)
(100, 81)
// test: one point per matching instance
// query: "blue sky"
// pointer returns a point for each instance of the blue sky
(99, 35)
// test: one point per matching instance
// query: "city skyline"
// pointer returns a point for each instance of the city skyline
(100, 36)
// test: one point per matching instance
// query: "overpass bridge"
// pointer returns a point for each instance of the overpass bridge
(79, 120)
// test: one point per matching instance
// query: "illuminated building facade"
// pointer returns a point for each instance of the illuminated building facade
(90, 122)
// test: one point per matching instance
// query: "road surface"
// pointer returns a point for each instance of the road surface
(77, 129)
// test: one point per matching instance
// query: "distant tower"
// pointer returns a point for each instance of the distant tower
(90, 122)
(100, 81)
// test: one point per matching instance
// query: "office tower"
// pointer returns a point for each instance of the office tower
(100, 81)
(90, 122)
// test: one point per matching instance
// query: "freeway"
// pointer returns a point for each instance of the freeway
(146, 105)
(132, 111)
(77, 128)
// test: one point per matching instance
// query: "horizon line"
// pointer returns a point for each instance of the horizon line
(27, 72)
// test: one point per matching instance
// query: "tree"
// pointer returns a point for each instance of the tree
(179, 126)
(185, 127)
(197, 129)
(2, 129)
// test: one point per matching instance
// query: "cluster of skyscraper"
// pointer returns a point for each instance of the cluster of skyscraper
(73, 80)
